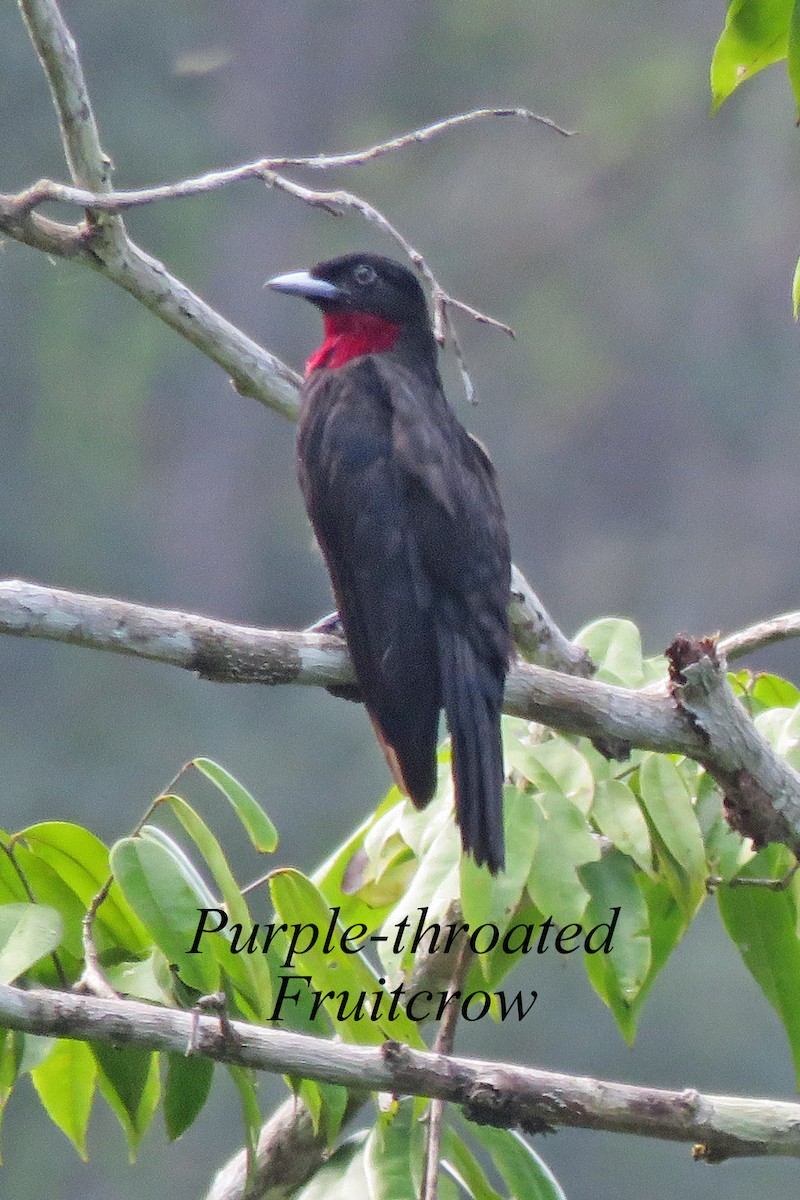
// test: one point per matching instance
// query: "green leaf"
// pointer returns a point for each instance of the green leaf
(763, 926)
(490, 969)
(35, 1049)
(343, 973)
(152, 833)
(12, 889)
(487, 899)
(334, 1108)
(246, 1083)
(164, 899)
(756, 35)
(261, 831)
(82, 861)
(330, 876)
(47, 887)
(11, 1045)
(564, 844)
(726, 851)
(326, 1104)
(553, 765)
(668, 804)
(65, 1082)
(28, 933)
(130, 1085)
(617, 814)
(433, 887)
(458, 1153)
(770, 691)
(615, 646)
(667, 926)
(342, 1176)
(393, 1156)
(186, 1091)
(249, 973)
(618, 976)
(796, 291)
(527, 1175)
(146, 979)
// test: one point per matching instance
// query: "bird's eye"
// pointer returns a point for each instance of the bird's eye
(364, 274)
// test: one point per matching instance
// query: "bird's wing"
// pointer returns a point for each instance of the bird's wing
(458, 527)
(359, 514)
(456, 512)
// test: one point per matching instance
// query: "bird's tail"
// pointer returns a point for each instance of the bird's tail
(472, 693)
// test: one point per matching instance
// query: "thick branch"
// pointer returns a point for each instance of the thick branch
(696, 714)
(254, 371)
(287, 1155)
(495, 1093)
(760, 789)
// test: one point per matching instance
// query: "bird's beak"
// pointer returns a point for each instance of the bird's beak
(301, 283)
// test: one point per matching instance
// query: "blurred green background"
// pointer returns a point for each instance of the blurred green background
(644, 425)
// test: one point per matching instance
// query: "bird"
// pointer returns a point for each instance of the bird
(405, 507)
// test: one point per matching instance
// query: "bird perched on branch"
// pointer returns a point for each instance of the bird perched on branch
(406, 511)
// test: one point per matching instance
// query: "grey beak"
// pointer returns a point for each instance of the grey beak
(301, 283)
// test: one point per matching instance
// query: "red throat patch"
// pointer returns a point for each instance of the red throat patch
(348, 335)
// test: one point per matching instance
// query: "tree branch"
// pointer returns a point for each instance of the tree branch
(757, 637)
(289, 1151)
(89, 165)
(536, 635)
(495, 1093)
(260, 169)
(695, 713)
(103, 243)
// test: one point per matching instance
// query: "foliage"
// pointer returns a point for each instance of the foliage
(586, 838)
(757, 34)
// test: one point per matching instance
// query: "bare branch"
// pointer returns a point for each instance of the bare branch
(536, 634)
(254, 371)
(498, 1093)
(103, 244)
(696, 714)
(336, 203)
(213, 649)
(89, 166)
(756, 637)
(127, 267)
(112, 201)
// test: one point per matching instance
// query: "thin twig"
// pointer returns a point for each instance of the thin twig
(93, 980)
(18, 211)
(756, 637)
(336, 202)
(746, 881)
(120, 201)
(445, 1040)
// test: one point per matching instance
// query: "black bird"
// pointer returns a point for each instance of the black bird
(406, 511)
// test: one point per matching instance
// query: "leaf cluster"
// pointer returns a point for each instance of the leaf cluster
(585, 837)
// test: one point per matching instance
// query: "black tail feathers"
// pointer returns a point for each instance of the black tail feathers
(472, 694)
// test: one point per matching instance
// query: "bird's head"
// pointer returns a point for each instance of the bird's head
(368, 303)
